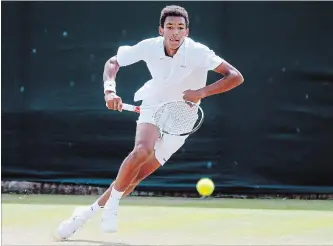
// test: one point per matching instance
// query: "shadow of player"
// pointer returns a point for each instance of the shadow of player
(95, 242)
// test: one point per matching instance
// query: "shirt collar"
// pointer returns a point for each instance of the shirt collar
(180, 52)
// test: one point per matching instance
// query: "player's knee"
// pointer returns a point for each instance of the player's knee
(142, 151)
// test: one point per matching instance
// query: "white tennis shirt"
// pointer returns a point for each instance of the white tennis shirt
(171, 76)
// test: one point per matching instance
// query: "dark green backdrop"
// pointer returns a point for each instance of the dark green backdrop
(273, 133)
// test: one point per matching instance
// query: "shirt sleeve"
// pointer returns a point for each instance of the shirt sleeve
(208, 59)
(127, 55)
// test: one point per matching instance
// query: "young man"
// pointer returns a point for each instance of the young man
(179, 67)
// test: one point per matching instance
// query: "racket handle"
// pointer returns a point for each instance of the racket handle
(132, 108)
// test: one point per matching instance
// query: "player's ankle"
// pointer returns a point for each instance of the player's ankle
(113, 201)
(116, 194)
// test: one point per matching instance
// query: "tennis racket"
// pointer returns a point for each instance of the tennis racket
(178, 118)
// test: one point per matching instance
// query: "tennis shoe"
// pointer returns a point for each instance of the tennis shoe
(79, 217)
(109, 220)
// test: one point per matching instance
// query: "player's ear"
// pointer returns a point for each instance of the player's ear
(187, 32)
(160, 30)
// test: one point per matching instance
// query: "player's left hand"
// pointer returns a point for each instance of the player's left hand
(192, 96)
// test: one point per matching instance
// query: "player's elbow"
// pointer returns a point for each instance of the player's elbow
(238, 77)
(112, 62)
(111, 66)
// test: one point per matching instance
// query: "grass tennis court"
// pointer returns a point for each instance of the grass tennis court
(31, 220)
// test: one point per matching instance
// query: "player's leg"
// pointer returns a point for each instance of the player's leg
(146, 169)
(83, 214)
(164, 148)
(146, 137)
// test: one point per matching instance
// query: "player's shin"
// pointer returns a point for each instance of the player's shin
(105, 196)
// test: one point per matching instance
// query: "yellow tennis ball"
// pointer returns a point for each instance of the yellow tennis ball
(205, 187)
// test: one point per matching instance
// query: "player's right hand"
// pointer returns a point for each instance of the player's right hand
(113, 101)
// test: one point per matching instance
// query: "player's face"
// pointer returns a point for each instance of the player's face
(174, 31)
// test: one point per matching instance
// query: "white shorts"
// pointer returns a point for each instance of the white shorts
(167, 144)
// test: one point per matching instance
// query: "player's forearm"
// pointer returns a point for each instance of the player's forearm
(229, 82)
(110, 71)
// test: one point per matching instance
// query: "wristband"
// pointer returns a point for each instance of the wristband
(110, 85)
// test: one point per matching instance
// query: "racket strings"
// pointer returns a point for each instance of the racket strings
(178, 117)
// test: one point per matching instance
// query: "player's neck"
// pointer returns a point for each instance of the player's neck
(170, 52)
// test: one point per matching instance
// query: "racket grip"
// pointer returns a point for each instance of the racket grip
(132, 108)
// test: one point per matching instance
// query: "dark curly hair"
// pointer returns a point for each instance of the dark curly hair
(174, 10)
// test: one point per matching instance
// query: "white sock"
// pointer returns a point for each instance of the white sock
(114, 199)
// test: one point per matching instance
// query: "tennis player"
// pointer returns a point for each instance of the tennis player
(178, 66)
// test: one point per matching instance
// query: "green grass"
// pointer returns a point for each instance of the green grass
(172, 201)
(31, 220)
